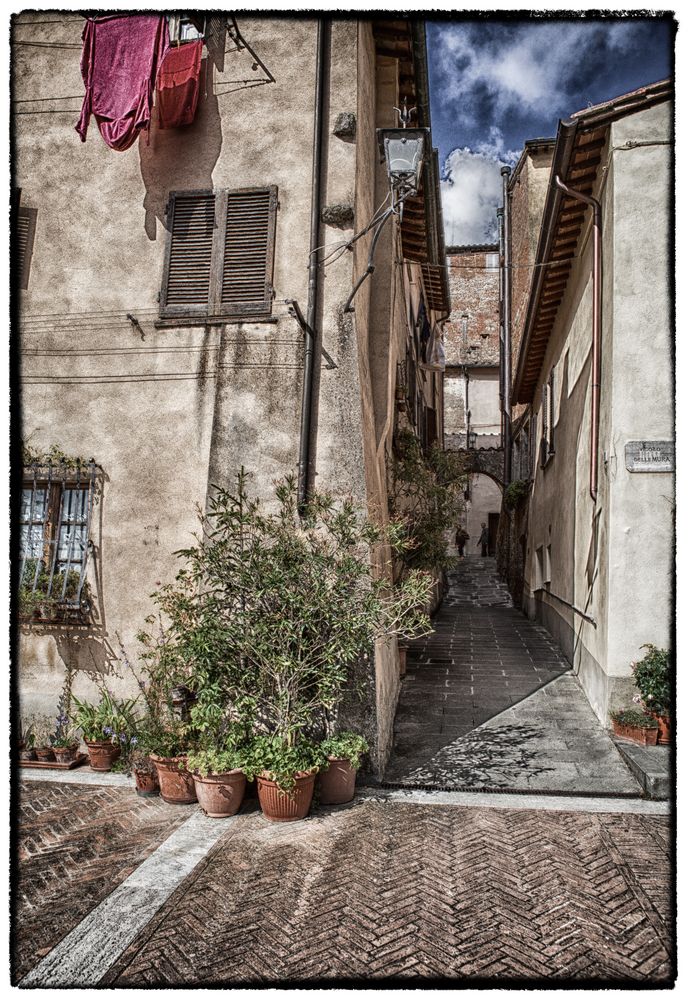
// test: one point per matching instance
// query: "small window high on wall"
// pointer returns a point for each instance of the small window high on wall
(219, 259)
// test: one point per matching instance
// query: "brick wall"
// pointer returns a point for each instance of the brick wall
(474, 294)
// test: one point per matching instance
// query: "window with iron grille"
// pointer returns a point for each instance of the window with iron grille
(26, 229)
(219, 258)
(548, 448)
(54, 532)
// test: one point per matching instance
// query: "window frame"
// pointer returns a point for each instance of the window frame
(57, 481)
(214, 308)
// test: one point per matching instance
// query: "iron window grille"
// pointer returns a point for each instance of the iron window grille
(54, 540)
(548, 448)
(219, 257)
(25, 232)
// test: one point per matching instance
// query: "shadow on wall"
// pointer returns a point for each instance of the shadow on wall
(181, 159)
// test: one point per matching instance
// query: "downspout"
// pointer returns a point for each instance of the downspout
(596, 330)
(305, 441)
(502, 389)
(507, 339)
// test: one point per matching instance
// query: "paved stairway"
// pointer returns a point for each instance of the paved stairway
(489, 701)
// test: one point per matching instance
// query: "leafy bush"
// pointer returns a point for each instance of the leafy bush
(212, 761)
(272, 610)
(653, 679)
(348, 746)
(515, 493)
(272, 758)
(633, 717)
(426, 497)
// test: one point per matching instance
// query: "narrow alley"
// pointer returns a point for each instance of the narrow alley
(490, 702)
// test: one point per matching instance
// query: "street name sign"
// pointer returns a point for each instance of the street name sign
(650, 456)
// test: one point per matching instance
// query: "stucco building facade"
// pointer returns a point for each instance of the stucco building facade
(169, 395)
(596, 524)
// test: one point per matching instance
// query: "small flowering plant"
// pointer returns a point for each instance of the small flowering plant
(111, 720)
(653, 680)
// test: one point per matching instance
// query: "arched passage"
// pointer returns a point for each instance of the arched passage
(482, 507)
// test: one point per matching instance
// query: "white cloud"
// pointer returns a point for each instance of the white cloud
(472, 190)
(525, 68)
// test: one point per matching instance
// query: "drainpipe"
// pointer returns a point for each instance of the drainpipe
(501, 337)
(596, 331)
(507, 339)
(305, 442)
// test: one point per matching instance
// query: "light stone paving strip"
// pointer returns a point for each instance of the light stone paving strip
(84, 956)
(79, 776)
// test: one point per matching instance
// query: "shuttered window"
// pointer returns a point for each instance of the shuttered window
(219, 260)
(26, 227)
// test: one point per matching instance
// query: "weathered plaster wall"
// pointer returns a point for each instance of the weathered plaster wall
(598, 562)
(641, 547)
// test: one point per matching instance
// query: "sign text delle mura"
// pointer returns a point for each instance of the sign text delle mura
(650, 456)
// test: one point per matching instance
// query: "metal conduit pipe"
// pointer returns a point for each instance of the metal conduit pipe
(501, 335)
(596, 331)
(305, 441)
(507, 339)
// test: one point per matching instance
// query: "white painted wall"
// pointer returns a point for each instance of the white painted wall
(611, 561)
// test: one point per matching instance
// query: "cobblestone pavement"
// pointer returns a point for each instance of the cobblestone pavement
(75, 845)
(380, 890)
(489, 701)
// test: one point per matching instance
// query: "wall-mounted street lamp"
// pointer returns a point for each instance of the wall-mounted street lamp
(404, 151)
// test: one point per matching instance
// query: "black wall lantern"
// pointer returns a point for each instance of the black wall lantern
(404, 150)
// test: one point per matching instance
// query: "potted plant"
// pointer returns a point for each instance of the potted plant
(285, 775)
(25, 739)
(632, 724)
(43, 740)
(268, 616)
(219, 780)
(163, 734)
(105, 726)
(140, 765)
(653, 680)
(344, 752)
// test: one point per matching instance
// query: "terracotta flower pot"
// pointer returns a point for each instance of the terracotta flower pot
(45, 753)
(65, 755)
(220, 795)
(282, 807)
(337, 783)
(645, 736)
(146, 783)
(102, 754)
(176, 783)
(664, 728)
(27, 753)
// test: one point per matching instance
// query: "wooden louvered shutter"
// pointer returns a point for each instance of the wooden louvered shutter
(26, 228)
(187, 277)
(219, 260)
(245, 282)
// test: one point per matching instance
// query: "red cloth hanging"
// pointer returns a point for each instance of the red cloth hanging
(119, 64)
(177, 88)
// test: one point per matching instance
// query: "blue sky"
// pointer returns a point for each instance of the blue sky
(495, 84)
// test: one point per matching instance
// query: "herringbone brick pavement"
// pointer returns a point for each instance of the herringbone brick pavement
(384, 890)
(75, 845)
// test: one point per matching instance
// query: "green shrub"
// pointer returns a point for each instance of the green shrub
(515, 493)
(270, 756)
(634, 717)
(348, 746)
(653, 679)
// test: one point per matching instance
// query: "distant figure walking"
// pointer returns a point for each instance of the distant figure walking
(484, 540)
(461, 537)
